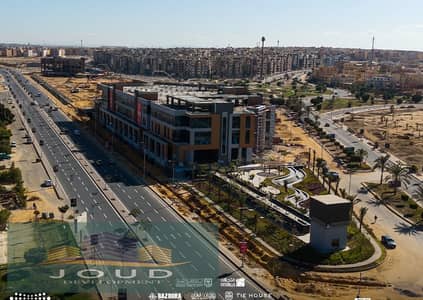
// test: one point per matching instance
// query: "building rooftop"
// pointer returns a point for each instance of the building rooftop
(331, 199)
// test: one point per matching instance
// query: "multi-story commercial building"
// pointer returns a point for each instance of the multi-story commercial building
(184, 126)
(265, 126)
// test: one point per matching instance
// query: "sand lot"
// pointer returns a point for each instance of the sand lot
(403, 131)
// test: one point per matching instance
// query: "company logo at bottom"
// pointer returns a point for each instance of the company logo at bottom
(229, 295)
(165, 296)
(29, 296)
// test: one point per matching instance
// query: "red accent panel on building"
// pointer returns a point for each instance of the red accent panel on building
(138, 113)
(111, 102)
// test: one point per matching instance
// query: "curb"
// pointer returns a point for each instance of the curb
(216, 248)
(389, 207)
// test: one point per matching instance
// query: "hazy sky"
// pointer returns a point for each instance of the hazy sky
(168, 23)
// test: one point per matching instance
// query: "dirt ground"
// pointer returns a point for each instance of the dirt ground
(403, 131)
(295, 143)
(87, 88)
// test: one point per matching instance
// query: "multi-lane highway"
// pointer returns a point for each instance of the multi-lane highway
(167, 228)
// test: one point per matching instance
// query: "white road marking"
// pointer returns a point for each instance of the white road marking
(156, 211)
(86, 188)
(173, 236)
(82, 201)
(148, 218)
(148, 203)
(105, 215)
(136, 204)
(136, 191)
(164, 220)
(158, 238)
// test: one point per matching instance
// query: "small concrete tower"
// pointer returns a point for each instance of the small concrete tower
(330, 216)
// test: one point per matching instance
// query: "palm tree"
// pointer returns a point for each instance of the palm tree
(362, 213)
(343, 193)
(320, 164)
(337, 180)
(397, 173)
(63, 210)
(381, 163)
(362, 154)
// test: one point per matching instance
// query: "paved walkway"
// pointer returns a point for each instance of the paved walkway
(265, 201)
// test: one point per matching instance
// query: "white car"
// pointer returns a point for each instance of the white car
(13, 144)
(47, 183)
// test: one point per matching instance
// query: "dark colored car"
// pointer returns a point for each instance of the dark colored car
(388, 242)
(41, 142)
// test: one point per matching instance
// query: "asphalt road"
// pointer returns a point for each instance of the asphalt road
(350, 140)
(166, 226)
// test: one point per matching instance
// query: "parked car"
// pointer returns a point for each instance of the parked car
(388, 242)
(47, 183)
(33, 129)
(28, 140)
(4, 156)
(55, 168)
(13, 144)
(41, 142)
(362, 190)
(327, 125)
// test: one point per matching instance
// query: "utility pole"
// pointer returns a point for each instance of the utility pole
(263, 39)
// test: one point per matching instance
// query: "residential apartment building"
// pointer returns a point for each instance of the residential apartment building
(205, 63)
(183, 126)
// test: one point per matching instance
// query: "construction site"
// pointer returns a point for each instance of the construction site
(397, 131)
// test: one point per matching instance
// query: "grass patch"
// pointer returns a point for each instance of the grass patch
(311, 184)
(360, 249)
(399, 201)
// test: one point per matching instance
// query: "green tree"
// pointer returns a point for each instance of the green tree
(63, 210)
(320, 164)
(381, 163)
(398, 173)
(4, 217)
(362, 154)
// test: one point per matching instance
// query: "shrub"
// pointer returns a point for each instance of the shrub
(404, 197)
(413, 205)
